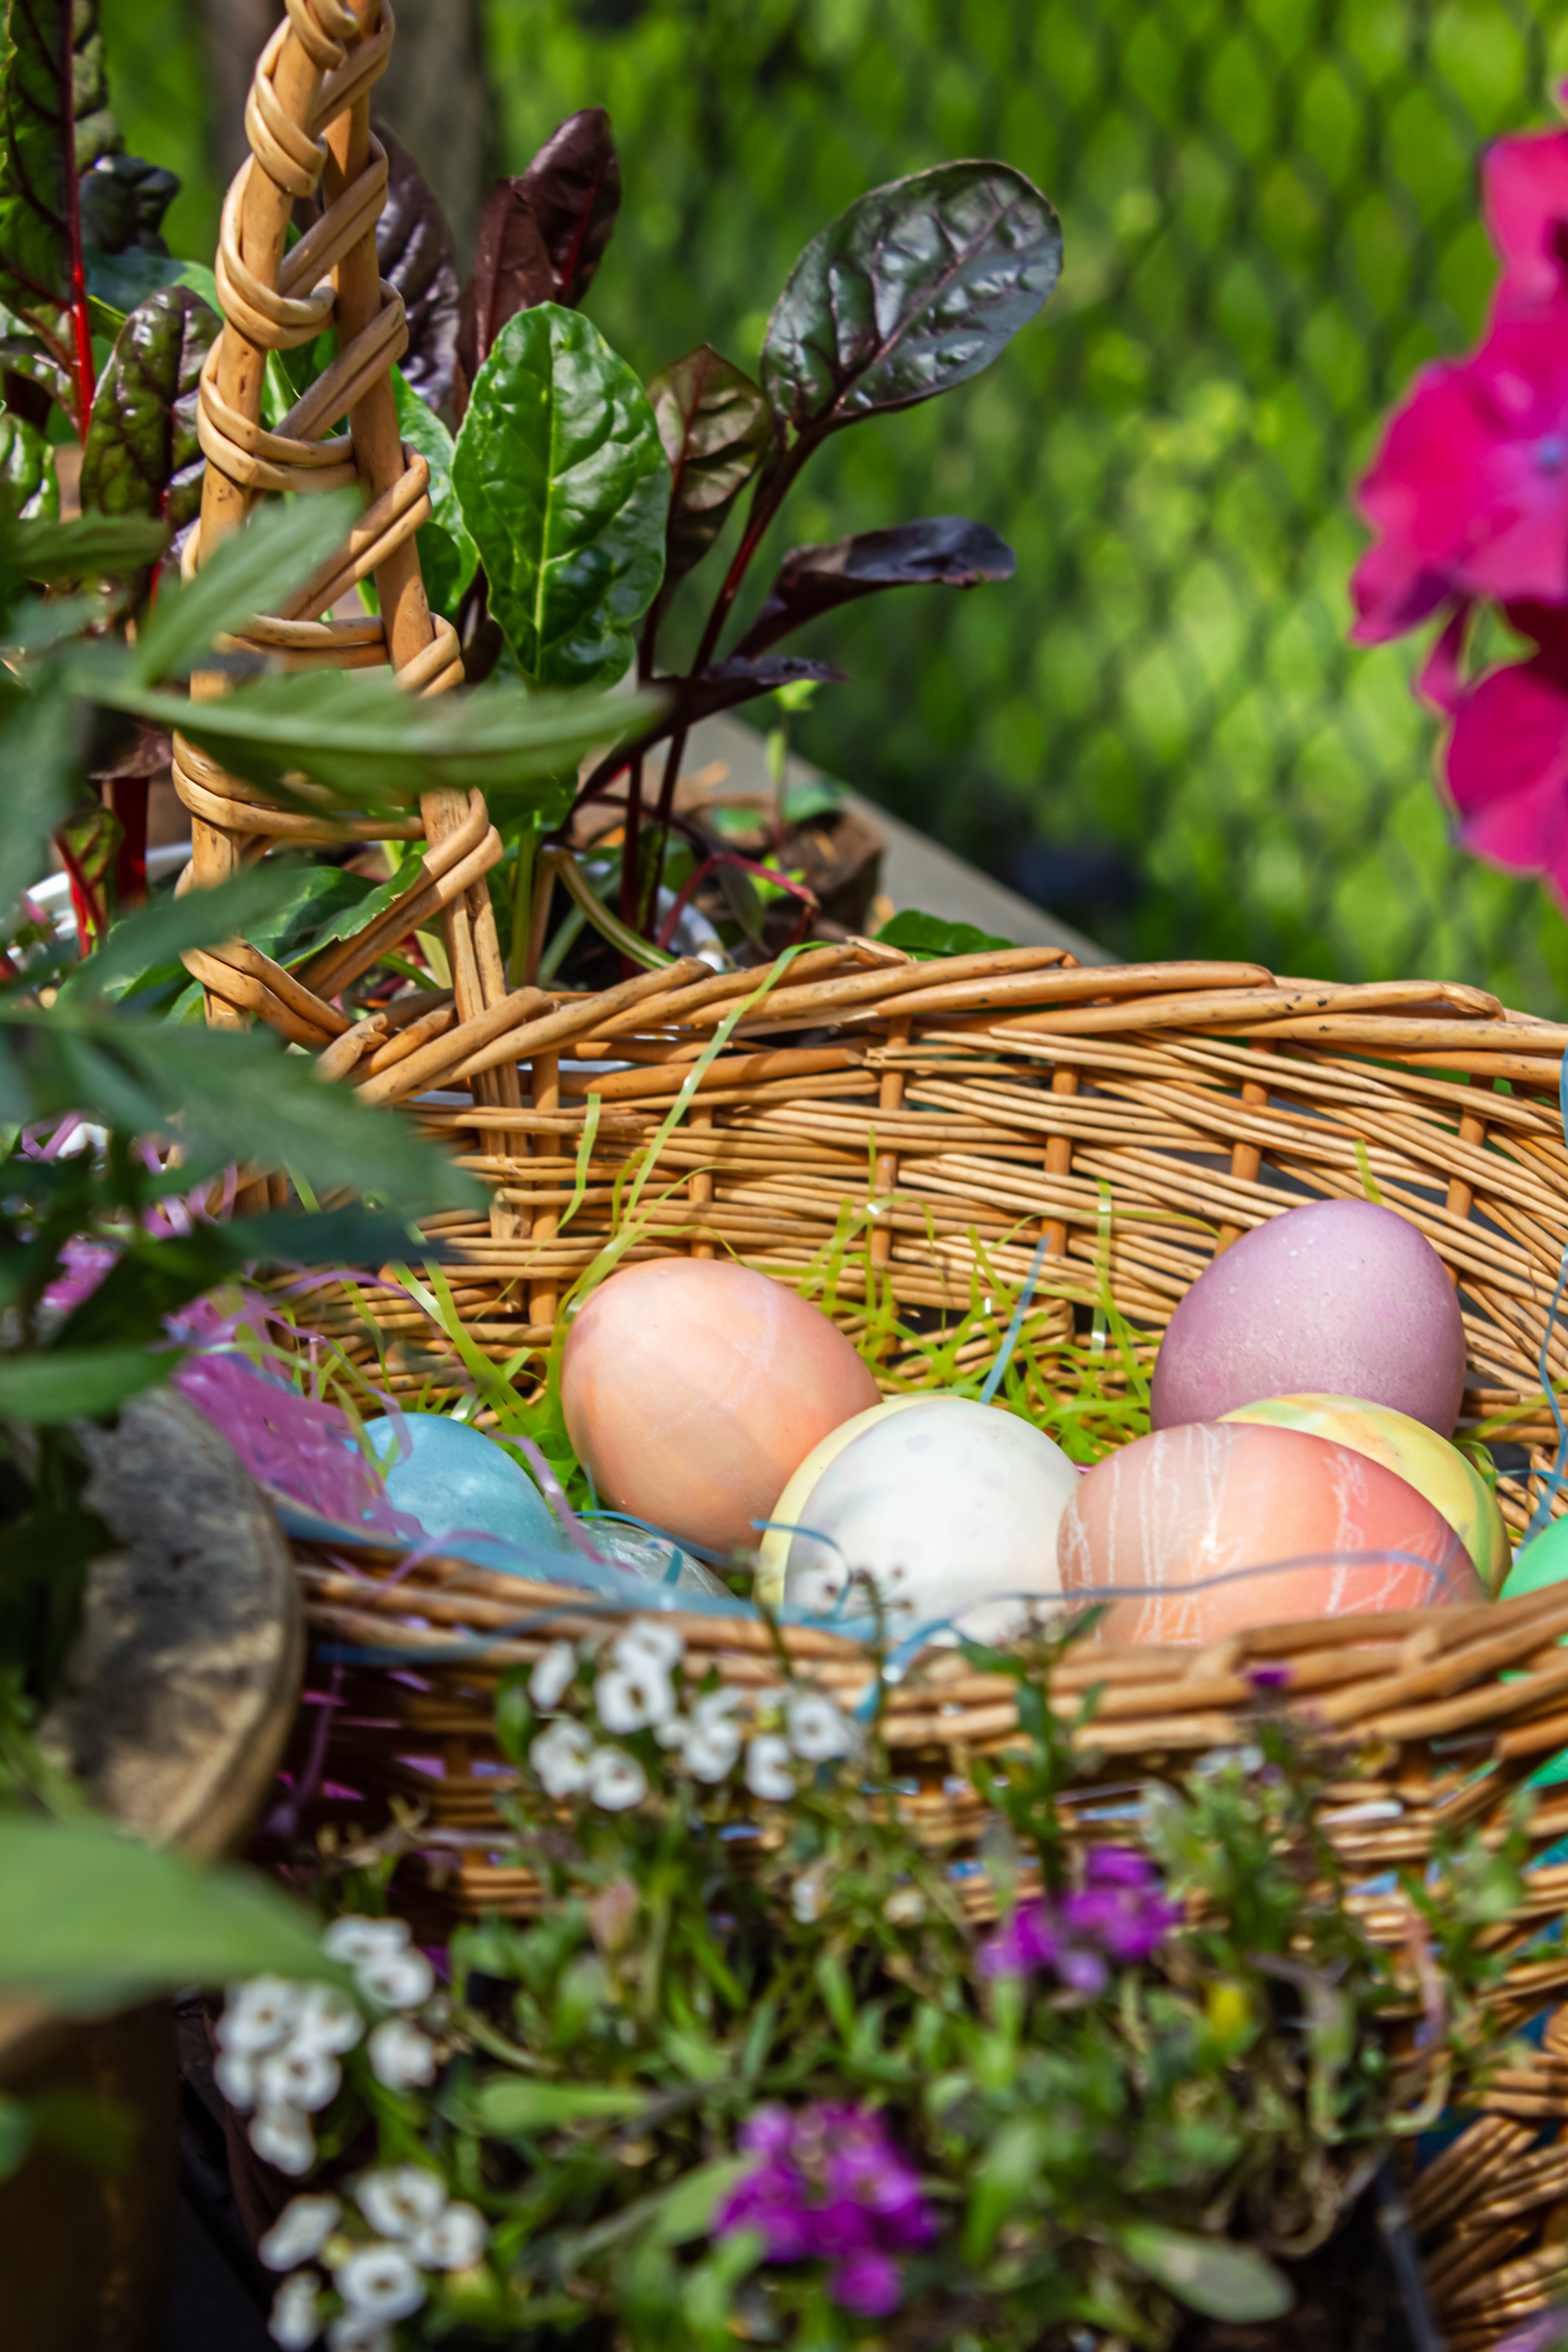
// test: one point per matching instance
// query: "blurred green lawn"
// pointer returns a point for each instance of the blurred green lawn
(1270, 222)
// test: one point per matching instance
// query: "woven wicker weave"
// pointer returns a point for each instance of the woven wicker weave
(946, 1117)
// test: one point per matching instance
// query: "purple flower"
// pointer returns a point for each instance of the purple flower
(1120, 1915)
(831, 2183)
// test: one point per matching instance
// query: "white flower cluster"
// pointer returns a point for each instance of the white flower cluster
(380, 2281)
(279, 2044)
(636, 1691)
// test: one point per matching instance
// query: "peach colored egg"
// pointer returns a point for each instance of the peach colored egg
(693, 1390)
(1174, 1519)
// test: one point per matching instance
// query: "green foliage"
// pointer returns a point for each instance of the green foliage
(565, 487)
(913, 290)
(1096, 2148)
(38, 162)
(27, 474)
(447, 555)
(93, 1921)
(929, 935)
(1271, 223)
(141, 454)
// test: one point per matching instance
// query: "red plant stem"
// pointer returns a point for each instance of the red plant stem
(630, 868)
(86, 384)
(91, 924)
(128, 797)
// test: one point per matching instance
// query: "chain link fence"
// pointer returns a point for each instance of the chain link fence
(1270, 219)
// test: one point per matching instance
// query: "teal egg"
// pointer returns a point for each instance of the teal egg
(1543, 1561)
(453, 1481)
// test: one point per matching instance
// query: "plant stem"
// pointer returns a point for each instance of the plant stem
(522, 902)
(86, 386)
(630, 873)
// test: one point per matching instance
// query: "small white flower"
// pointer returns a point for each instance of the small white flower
(357, 2331)
(560, 1757)
(454, 2241)
(809, 1895)
(296, 2320)
(379, 2282)
(552, 1678)
(281, 2137)
(234, 2072)
(300, 2231)
(768, 1773)
(258, 2016)
(710, 1751)
(401, 2200)
(353, 1939)
(904, 1907)
(397, 1981)
(818, 1730)
(616, 1779)
(629, 1698)
(298, 2079)
(671, 1734)
(325, 2019)
(400, 2055)
(648, 1642)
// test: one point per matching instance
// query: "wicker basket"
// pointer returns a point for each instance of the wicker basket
(947, 1117)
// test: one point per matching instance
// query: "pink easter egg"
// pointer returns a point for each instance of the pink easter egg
(694, 1389)
(1334, 1299)
(1174, 1517)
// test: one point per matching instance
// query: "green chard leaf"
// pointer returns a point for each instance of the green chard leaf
(38, 161)
(447, 555)
(565, 489)
(141, 454)
(913, 290)
(27, 469)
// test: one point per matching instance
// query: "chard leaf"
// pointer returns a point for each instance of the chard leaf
(141, 454)
(913, 290)
(715, 425)
(573, 189)
(27, 472)
(565, 488)
(447, 555)
(944, 550)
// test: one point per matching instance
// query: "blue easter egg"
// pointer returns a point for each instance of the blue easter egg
(454, 1481)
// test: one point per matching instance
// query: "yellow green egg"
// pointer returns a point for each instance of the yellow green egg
(1450, 1480)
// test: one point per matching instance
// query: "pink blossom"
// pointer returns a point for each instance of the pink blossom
(1119, 1916)
(1470, 490)
(1524, 194)
(1507, 758)
(830, 2183)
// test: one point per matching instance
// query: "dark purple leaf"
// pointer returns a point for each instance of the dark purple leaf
(726, 683)
(512, 273)
(915, 289)
(574, 188)
(715, 425)
(414, 248)
(944, 550)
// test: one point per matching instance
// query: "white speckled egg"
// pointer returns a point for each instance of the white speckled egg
(952, 1505)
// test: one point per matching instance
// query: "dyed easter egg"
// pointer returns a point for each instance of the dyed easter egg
(694, 1388)
(454, 1481)
(949, 1504)
(1174, 1519)
(1334, 1299)
(1414, 1453)
(1542, 1561)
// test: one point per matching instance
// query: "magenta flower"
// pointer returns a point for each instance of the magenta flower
(1507, 758)
(1470, 490)
(1524, 194)
(831, 2183)
(1119, 1916)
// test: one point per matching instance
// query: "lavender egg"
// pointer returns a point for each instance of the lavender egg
(1337, 1297)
